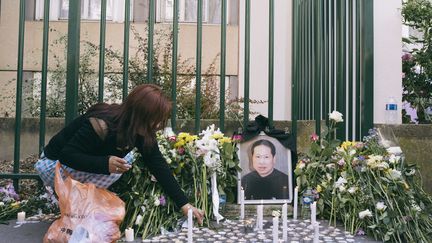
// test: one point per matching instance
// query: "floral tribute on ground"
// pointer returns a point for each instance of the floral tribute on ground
(204, 165)
(364, 186)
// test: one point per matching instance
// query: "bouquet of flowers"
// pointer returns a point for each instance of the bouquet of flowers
(366, 187)
(196, 161)
(42, 202)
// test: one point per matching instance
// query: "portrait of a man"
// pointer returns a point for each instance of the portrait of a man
(266, 169)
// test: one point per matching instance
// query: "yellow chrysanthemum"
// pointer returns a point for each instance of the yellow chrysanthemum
(225, 140)
(217, 136)
(183, 135)
(319, 189)
(191, 138)
(15, 205)
(180, 143)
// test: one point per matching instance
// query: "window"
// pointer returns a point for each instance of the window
(211, 13)
(90, 10)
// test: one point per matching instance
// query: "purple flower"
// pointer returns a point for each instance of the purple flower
(162, 200)
(360, 232)
(407, 57)
(9, 191)
(361, 158)
(341, 162)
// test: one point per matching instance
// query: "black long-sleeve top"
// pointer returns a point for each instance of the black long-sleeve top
(79, 147)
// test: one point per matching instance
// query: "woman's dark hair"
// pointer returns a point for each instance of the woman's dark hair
(144, 111)
(264, 142)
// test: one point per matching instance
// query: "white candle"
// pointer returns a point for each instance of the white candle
(21, 217)
(260, 217)
(316, 232)
(295, 202)
(275, 229)
(242, 206)
(190, 226)
(313, 213)
(129, 233)
(284, 222)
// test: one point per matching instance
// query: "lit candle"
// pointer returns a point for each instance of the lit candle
(313, 213)
(316, 232)
(129, 233)
(21, 217)
(275, 229)
(260, 217)
(295, 202)
(190, 226)
(284, 222)
(242, 208)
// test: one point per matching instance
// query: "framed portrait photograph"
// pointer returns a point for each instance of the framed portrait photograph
(266, 175)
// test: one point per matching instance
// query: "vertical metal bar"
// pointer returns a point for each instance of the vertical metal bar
(198, 68)
(341, 72)
(310, 60)
(150, 51)
(247, 63)
(326, 96)
(304, 61)
(126, 49)
(271, 62)
(102, 50)
(174, 65)
(350, 71)
(307, 59)
(21, 26)
(332, 55)
(295, 73)
(318, 63)
(368, 65)
(222, 66)
(45, 37)
(73, 58)
(358, 70)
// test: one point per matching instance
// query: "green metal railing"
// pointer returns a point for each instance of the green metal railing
(333, 64)
(323, 32)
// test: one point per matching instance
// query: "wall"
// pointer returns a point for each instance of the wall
(259, 56)
(387, 56)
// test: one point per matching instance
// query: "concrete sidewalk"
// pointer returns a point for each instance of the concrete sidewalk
(25, 233)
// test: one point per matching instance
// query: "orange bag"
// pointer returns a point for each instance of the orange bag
(88, 214)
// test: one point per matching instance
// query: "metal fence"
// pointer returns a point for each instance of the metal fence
(333, 63)
(327, 72)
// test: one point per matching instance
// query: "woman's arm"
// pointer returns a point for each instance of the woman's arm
(157, 165)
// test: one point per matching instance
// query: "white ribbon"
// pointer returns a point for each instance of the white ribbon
(215, 197)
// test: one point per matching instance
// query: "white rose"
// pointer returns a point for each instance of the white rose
(2, 204)
(394, 174)
(380, 206)
(352, 190)
(394, 150)
(383, 166)
(336, 116)
(394, 159)
(156, 201)
(365, 213)
(139, 219)
(143, 209)
(340, 182)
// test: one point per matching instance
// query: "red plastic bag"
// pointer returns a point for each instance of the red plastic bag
(88, 214)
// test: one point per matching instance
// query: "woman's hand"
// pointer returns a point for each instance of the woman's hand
(197, 213)
(118, 165)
